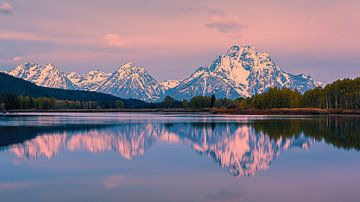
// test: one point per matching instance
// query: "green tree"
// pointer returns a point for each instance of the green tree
(168, 102)
(185, 104)
(119, 104)
(200, 102)
(212, 102)
(312, 98)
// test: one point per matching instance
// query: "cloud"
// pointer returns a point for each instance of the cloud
(226, 195)
(114, 40)
(115, 181)
(26, 36)
(18, 59)
(216, 11)
(110, 39)
(16, 185)
(6, 8)
(225, 24)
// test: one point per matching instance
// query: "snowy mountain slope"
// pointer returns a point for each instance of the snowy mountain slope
(204, 82)
(130, 81)
(168, 84)
(47, 76)
(74, 77)
(241, 72)
(89, 81)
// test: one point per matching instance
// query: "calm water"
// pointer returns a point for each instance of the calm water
(162, 157)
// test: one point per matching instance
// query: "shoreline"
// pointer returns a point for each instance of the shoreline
(287, 111)
(144, 110)
(279, 111)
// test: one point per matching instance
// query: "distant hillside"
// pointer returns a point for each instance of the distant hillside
(10, 84)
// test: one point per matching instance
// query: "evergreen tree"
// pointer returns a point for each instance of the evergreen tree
(213, 99)
(119, 104)
(168, 102)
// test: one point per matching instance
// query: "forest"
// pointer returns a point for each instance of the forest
(341, 94)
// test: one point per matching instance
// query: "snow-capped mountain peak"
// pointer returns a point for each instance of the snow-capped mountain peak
(48, 76)
(129, 69)
(130, 81)
(242, 71)
(26, 70)
(168, 84)
(127, 65)
(88, 81)
(73, 77)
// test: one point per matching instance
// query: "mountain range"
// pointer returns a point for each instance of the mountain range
(10, 84)
(242, 71)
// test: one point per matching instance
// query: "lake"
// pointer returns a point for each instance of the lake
(179, 157)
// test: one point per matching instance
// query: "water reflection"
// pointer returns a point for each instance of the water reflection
(242, 147)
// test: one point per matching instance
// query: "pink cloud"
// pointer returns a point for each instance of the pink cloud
(115, 181)
(6, 8)
(114, 40)
(110, 39)
(16, 185)
(15, 35)
(19, 59)
(225, 24)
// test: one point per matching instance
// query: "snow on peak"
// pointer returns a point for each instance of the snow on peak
(88, 81)
(168, 84)
(73, 76)
(50, 66)
(243, 71)
(26, 71)
(130, 81)
(128, 65)
(48, 76)
(96, 75)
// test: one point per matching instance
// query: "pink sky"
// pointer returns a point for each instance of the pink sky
(172, 38)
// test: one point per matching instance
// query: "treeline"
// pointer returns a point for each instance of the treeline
(13, 101)
(341, 94)
(198, 102)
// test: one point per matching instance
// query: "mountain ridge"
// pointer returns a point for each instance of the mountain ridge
(11, 84)
(242, 71)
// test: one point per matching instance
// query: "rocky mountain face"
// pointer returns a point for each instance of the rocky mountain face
(241, 72)
(130, 81)
(89, 81)
(47, 76)
(169, 84)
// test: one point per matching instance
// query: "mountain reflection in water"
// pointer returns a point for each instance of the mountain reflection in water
(242, 147)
